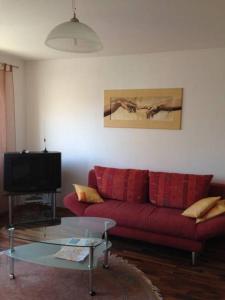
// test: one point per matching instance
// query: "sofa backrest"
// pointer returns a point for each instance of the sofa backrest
(177, 190)
(129, 185)
(92, 180)
(215, 189)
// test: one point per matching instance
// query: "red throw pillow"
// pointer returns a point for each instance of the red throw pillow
(112, 182)
(177, 190)
(122, 184)
(137, 186)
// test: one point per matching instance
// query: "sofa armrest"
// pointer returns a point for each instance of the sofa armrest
(211, 228)
(71, 202)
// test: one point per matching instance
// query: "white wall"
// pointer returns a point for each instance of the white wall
(65, 105)
(20, 108)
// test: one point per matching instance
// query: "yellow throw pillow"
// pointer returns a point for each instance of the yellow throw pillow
(201, 207)
(217, 210)
(87, 194)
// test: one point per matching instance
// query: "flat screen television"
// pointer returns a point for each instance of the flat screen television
(32, 172)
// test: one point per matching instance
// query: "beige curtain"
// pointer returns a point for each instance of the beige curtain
(7, 122)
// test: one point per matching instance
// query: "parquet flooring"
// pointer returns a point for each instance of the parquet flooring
(170, 269)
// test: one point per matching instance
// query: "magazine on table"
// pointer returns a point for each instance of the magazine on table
(76, 253)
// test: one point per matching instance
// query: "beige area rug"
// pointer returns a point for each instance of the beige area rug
(122, 281)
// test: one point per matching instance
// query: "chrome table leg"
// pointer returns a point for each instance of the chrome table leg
(194, 255)
(106, 254)
(11, 249)
(53, 204)
(91, 261)
(10, 210)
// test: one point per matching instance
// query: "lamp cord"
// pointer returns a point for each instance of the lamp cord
(74, 19)
(73, 6)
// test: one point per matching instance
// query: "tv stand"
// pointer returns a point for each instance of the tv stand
(52, 194)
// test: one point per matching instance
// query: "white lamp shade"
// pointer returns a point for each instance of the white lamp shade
(73, 37)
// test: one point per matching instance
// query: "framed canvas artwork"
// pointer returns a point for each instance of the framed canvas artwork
(143, 108)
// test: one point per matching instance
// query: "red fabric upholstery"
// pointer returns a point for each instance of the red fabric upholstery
(126, 214)
(148, 222)
(145, 217)
(158, 239)
(122, 184)
(137, 186)
(112, 182)
(71, 202)
(92, 180)
(211, 228)
(169, 221)
(177, 190)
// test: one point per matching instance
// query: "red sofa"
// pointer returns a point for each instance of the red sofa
(148, 205)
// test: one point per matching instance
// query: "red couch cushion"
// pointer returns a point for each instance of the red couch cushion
(122, 184)
(137, 186)
(177, 190)
(145, 217)
(112, 182)
(134, 215)
(92, 180)
(169, 221)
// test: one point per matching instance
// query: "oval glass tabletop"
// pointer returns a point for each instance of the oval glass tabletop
(72, 231)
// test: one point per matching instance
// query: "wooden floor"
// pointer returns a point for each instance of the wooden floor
(170, 269)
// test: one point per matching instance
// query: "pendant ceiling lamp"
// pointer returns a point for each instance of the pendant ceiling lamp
(73, 36)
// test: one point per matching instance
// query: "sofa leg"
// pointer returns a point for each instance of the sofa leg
(194, 257)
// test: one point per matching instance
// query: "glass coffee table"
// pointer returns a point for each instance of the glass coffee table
(43, 244)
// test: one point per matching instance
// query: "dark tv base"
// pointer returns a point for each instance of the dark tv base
(38, 223)
(52, 218)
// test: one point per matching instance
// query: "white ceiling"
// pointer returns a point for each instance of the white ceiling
(124, 26)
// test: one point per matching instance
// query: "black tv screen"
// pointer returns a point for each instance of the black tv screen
(32, 172)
